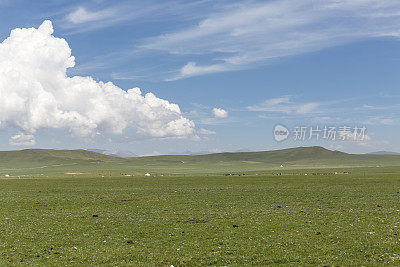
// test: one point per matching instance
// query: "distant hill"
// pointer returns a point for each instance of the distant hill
(383, 153)
(115, 153)
(274, 156)
(43, 157)
(45, 160)
(120, 153)
(100, 151)
(292, 158)
(204, 152)
(243, 150)
(189, 153)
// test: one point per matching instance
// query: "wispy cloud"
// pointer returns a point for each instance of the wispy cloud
(90, 16)
(248, 33)
(191, 69)
(333, 111)
(81, 15)
(206, 132)
(381, 120)
(285, 104)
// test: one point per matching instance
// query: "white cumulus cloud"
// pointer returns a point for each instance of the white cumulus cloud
(220, 113)
(36, 93)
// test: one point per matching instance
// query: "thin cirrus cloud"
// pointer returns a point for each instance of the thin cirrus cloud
(340, 110)
(37, 94)
(379, 120)
(81, 15)
(285, 104)
(206, 132)
(246, 34)
(83, 19)
(91, 17)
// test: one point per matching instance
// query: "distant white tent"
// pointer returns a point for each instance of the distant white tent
(147, 174)
(7, 175)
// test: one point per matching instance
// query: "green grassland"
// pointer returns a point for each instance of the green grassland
(28, 162)
(83, 209)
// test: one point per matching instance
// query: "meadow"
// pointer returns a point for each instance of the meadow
(103, 217)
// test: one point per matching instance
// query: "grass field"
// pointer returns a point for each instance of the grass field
(104, 217)
(43, 162)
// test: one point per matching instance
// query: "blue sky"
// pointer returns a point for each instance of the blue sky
(296, 63)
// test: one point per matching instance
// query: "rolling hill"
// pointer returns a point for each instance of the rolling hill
(44, 160)
(47, 158)
(383, 153)
(292, 158)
